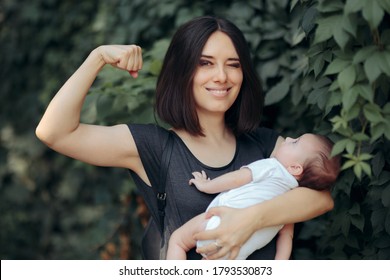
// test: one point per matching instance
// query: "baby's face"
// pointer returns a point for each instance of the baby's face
(296, 150)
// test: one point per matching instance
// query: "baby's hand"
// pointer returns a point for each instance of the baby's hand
(200, 180)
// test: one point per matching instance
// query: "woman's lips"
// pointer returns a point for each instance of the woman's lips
(219, 92)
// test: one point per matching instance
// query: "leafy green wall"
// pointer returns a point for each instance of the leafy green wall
(325, 66)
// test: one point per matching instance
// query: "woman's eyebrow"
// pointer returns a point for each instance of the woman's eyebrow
(211, 57)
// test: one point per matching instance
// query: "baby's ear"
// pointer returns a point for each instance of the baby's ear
(295, 169)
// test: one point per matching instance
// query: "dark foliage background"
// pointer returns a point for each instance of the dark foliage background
(325, 66)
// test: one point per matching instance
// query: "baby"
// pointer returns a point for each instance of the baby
(304, 161)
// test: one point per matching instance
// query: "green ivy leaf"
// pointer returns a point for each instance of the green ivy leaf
(318, 96)
(358, 221)
(348, 164)
(326, 27)
(366, 168)
(373, 113)
(293, 4)
(330, 6)
(339, 122)
(386, 109)
(353, 6)
(372, 67)
(318, 65)
(339, 147)
(350, 24)
(386, 196)
(346, 225)
(385, 4)
(365, 91)
(364, 53)
(352, 113)
(277, 93)
(336, 66)
(357, 169)
(334, 99)
(379, 129)
(347, 78)
(360, 136)
(349, 98)
(387, 130)
(308, 19)
(341, 36)
(373, 13)
(384, 64)
(378, 162)
(351, 145)
(155, 67)
(355, 209)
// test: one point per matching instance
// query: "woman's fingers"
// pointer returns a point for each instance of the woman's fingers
(215, 211)
(234, 230)
(125, 57)
(134, 62)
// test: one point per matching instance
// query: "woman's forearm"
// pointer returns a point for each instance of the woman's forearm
(298, 205)
(63, 113)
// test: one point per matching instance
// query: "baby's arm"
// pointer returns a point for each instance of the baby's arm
(222, 183)
(182, 240)
(284, 242)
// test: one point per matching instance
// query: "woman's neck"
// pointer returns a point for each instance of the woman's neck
(216, 148)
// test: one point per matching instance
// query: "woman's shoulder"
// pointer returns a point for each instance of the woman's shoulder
(149, 136)
(150, 129)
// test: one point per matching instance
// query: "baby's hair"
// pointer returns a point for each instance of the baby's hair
(321, 170)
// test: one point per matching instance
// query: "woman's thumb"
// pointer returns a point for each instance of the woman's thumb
(215, 211)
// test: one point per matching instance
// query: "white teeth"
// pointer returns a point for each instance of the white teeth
(218, 91)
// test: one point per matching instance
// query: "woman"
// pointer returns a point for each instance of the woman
(208, 91)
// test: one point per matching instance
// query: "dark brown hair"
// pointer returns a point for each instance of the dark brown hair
(320, 171)
(175, 103)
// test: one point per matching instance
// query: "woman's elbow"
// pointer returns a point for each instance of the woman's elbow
(328, 202)
(45, 135)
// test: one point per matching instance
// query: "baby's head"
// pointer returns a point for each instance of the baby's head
(308, 159)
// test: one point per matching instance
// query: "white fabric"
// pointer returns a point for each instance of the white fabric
(269, 179)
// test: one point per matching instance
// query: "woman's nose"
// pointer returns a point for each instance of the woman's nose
(220, 75)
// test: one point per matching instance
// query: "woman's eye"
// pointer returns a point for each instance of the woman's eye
(204, 62)
(235, 65)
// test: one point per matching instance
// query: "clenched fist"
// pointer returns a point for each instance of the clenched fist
(126, 57)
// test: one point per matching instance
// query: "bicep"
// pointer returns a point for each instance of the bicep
(100, 145)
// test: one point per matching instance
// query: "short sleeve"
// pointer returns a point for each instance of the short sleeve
(149, 139)
(261, 169)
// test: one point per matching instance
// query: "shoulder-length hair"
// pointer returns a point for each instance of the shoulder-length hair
(175, 103)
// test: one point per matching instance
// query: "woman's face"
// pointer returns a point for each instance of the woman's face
(218, 77)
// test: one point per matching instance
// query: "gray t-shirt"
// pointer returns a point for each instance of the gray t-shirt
(183, 201)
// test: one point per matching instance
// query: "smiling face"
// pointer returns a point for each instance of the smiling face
(218, 77)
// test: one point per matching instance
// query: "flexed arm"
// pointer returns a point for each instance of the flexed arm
(60, 126)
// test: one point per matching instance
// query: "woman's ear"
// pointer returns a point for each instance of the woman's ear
(295, 169)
